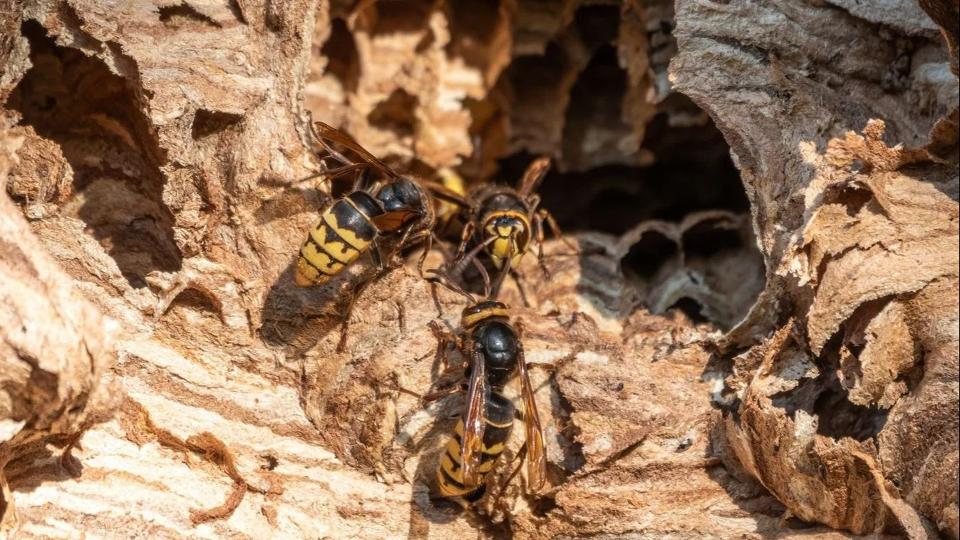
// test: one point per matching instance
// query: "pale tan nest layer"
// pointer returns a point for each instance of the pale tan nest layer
(162, 377)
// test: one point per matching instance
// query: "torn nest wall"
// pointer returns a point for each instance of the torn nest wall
(756, 335)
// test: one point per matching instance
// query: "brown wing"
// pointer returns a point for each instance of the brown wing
(326, 132)
(391, 221)
(534, 175)
(536, 456)
(471, 445)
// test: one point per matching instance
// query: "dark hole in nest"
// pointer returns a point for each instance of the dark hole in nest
(472, 27)
(400, 17)
(237, 10)
(692, 171)
(856, 199)
(839, 417)
(597, 25)
(793, 522)
(648, 254)
(850, 365)
(75, 101)
(196, 301)
(851, 196)
(826, 398)
(542, 506)
(799, 398)
(473, 18)
(604, 179)
(209, 122)
(709, 238)
(691, 308)
(533, 79)
(343, 60)
(395, 113)
(594, 117)
(183, 14)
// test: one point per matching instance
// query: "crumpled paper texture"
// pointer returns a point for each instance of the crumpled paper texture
(781, 361)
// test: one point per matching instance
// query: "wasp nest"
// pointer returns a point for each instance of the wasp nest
(756, 332)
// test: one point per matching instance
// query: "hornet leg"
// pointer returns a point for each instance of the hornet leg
(555, 230)
(538, 228)
(465, 237)
(523, 293)
(445, 338)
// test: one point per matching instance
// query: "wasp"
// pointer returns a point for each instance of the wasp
(399, 206)
(507, 220)
(450, 213)
(493, 350)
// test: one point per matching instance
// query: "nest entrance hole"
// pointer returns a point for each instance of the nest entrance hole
(627, 152)
(75, 101)
(692, 172)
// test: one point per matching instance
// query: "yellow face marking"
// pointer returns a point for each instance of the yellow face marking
(503, 248)
(511, 238)
(514, 261)
(348, 236)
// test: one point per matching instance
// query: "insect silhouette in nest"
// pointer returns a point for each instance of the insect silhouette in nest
(493, 351)
(396, 206)
(503, 221)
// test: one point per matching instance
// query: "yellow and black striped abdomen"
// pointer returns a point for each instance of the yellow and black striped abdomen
(450, 474)
(339, 237)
